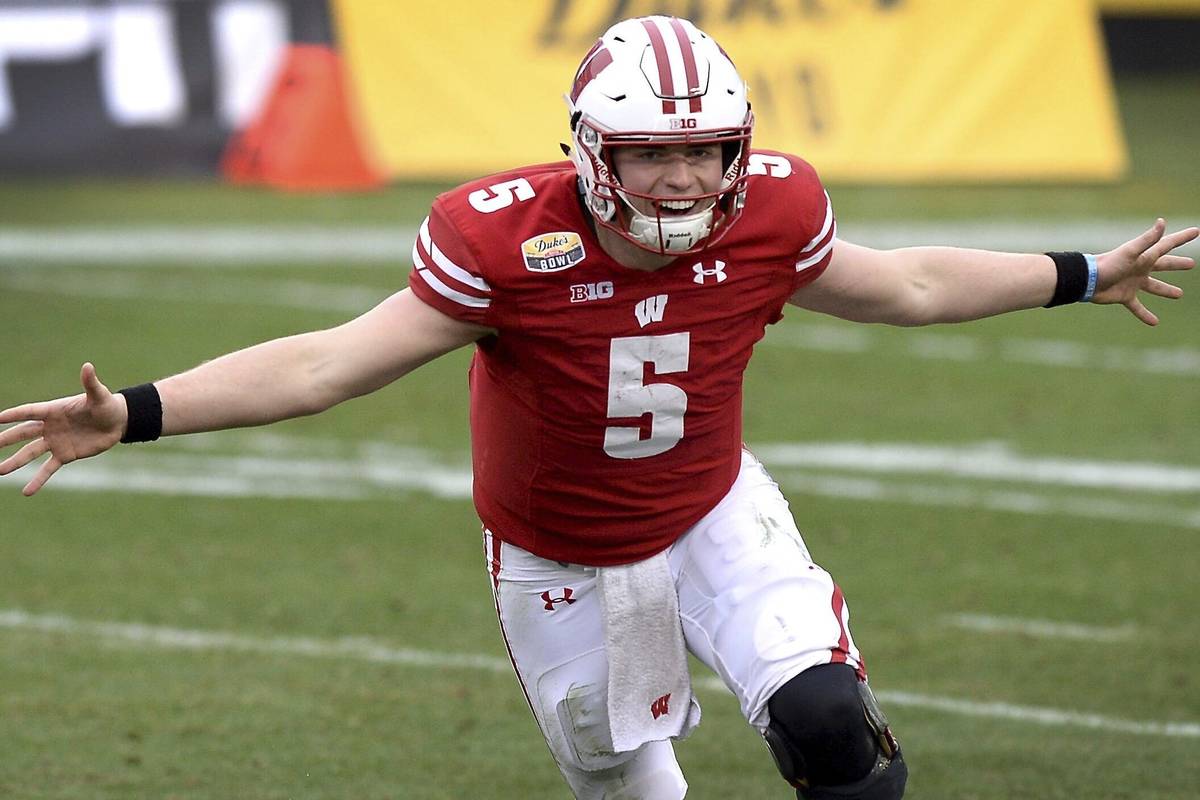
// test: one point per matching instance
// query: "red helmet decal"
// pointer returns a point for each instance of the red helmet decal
(593, 64)
(666, 82)
(689, 65)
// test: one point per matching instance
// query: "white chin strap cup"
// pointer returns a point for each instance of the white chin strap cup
(678, 233)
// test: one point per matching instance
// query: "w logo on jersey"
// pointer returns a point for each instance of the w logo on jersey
(703, 274)
(651, 309)
(661, 707)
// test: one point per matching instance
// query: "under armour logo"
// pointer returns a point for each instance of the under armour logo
(550, 601)
(651, 309)
(717, 272)
(660, 707)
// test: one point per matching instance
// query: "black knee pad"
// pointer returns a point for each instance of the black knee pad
(829, 737)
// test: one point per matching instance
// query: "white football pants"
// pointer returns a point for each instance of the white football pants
(754, 608)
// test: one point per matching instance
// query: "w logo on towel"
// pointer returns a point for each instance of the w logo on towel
(660, 707)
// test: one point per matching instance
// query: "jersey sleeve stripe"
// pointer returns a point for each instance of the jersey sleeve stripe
(445, 291)
(824, 227)
(816, 257)
(449, 267)
(439, 286)
(430, 276)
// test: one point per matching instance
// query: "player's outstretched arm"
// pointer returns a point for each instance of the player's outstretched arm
(926, 285)
(280, 379)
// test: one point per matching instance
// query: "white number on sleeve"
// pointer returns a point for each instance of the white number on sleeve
(500, 195)
(763, 164)
(628, 396)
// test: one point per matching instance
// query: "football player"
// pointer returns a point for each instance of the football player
(613, 301)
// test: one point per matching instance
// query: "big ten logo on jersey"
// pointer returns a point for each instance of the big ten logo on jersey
(583, 292)
(553, 252)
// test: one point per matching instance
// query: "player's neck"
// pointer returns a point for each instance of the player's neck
(628, 254)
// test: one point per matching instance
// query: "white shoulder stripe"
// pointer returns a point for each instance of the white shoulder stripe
(824, 228)
(430, 277)
(449, 267)
(816, 257)
(452, 294)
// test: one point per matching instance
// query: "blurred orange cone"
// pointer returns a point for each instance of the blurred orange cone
(304, 138)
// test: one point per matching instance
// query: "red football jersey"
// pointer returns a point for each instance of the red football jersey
(606, 415)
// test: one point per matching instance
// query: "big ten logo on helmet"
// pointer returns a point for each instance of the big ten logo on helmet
(679, 123)
(583, 292)
(553, 252)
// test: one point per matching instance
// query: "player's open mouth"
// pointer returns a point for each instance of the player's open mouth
(670, 208)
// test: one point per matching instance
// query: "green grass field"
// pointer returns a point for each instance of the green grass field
(283, 613)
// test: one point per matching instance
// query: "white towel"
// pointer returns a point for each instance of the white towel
(649, 688)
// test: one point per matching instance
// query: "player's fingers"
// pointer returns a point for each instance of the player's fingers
(23, 456)
(1143, 243)
(27, 411)
(1174, 263)
(1141, 312)
(39, 480)
(1162, 289)
(1168, 243)
(19, 433)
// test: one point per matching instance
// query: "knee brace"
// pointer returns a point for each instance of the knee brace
(830, 739)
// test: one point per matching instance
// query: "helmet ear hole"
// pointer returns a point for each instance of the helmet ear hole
(729, 151)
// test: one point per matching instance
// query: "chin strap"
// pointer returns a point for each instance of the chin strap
(679, 233)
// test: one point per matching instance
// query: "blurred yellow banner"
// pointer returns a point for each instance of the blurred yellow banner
(867, 90)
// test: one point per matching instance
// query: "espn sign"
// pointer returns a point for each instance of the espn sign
(77, 80)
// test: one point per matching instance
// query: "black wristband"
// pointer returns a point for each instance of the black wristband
(145, 413)
(1072, 278)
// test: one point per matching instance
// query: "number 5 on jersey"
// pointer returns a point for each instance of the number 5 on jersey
(629, 396)
(500, 195)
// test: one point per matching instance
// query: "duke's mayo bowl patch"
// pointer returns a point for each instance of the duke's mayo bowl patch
(552, 252)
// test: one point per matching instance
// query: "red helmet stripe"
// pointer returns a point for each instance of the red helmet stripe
(593, 64)
(663, 63)
(689, 64)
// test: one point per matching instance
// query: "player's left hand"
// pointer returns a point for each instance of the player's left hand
(1126, 270)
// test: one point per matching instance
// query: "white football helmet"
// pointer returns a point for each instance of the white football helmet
(659, 81)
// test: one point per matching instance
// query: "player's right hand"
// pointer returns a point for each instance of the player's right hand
(69, 428)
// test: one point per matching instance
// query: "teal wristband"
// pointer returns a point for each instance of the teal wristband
(1093, 268)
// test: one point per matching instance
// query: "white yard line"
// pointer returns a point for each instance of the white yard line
(1022, 236)
(1146, 515)
(281, 467)
(1041, 628)
(366, 649)
(961, 347)
(202, 246)
(986, 460)
(172, 245)
(349, 299)
(1040, 716)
